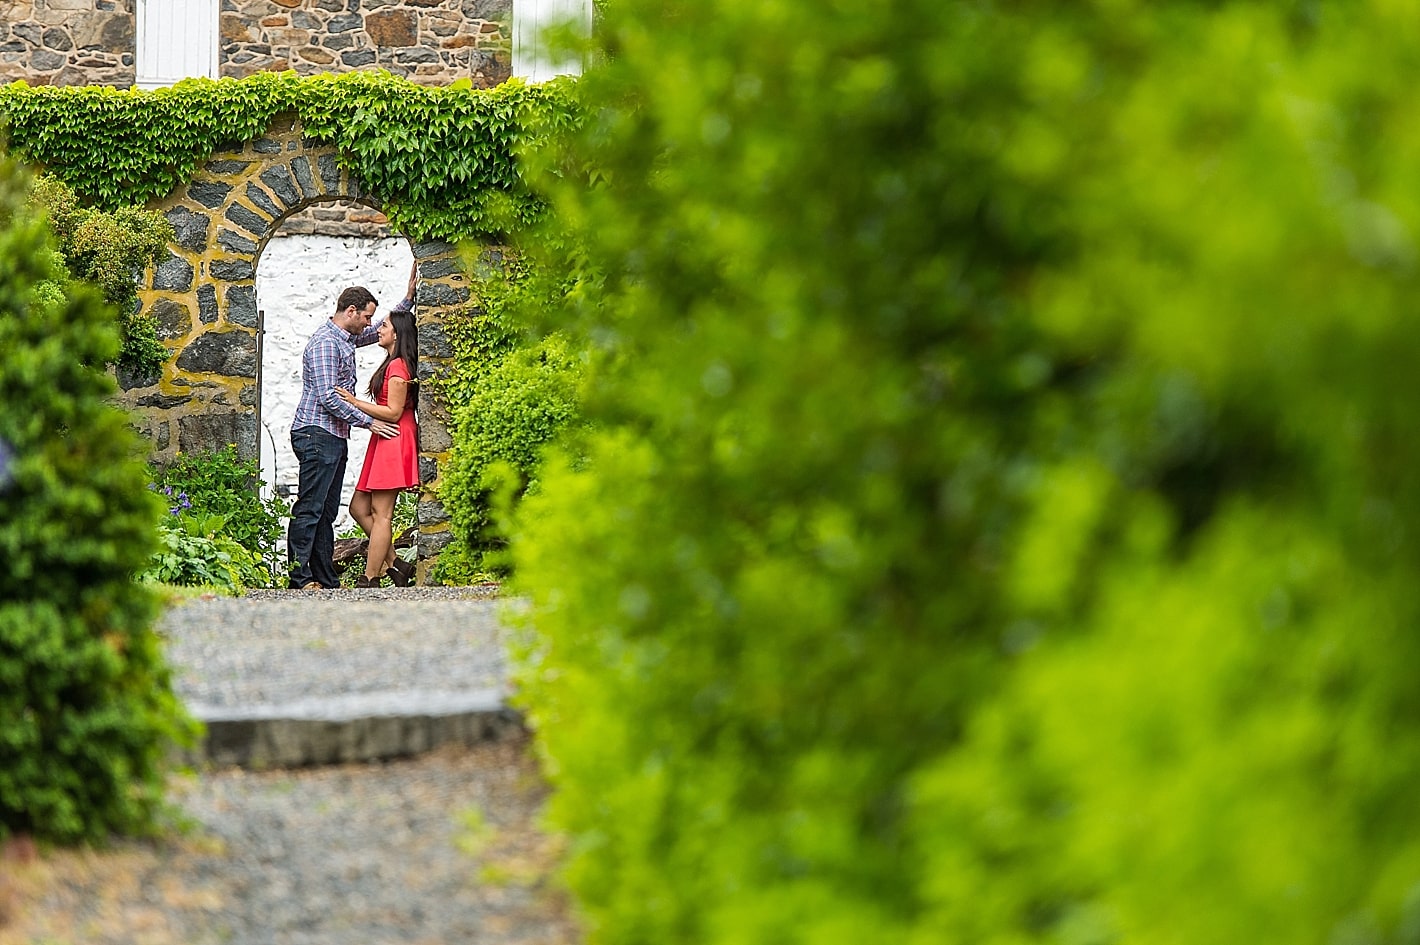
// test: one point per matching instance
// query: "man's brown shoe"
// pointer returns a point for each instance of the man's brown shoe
(313, 586)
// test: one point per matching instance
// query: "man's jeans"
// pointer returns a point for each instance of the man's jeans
(310, 540)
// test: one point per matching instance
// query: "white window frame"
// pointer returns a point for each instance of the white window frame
(176, 40)
(531, 59)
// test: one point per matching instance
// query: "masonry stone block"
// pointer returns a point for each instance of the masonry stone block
(433, 343)
(134, 380)
(263, 201)
(173, 274)
(249, 220)
(213, 431)
(428, 470)
(435, 293)
(266, 146)
(207, 301)
(345, 23)
(190, 228)
(433, 434)
(232, 353)
(224, 167)
(301, 169)
(57, 39)
(356, 58)
(232, 270)
(393, 28)
(431, 543)
(329, 172)
(30, 32)
(241, 305)
(210, 193)
(278, 179)
(44, 60)
(163, 401)
(233, 241)
(171, 319)
(338, 41)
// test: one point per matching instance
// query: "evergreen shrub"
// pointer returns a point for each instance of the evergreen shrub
(87, 711)
(1000, 516)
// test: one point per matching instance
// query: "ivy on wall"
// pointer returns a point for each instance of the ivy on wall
(440, 159)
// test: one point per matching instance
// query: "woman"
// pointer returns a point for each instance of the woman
(391, 465)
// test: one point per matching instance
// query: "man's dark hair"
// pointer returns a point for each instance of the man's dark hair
(356, 295)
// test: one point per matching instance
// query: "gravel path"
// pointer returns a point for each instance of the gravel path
(441, 848)
(277, 647)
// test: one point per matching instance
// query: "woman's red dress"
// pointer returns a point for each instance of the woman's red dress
(392, 463)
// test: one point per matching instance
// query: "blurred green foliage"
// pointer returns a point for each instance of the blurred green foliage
(111, 249)
(87, 712)
(1000, 520)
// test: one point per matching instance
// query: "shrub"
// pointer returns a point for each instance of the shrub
(999, 520)
(111, 249)
(509, 398)
(87, 711)
(206, 484)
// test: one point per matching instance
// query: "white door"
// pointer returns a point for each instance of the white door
(177, 39)
(531, 59)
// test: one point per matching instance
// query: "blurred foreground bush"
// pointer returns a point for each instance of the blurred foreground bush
(87, 712)
(1001, 524)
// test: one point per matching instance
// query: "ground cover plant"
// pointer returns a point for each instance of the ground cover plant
(88, 717)
(218, 530)
(999, 517)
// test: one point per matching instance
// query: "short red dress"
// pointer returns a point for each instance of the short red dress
(392, 463)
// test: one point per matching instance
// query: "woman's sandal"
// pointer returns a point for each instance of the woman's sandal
(401, 573)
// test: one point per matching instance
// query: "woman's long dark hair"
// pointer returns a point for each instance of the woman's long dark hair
(406, 347)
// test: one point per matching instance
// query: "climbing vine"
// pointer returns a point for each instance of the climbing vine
(442, 160)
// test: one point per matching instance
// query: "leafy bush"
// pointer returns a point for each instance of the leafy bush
(87, 712)
(206, 484)
(508, 400)
(999, 520)
(193, 551)
(111, 250)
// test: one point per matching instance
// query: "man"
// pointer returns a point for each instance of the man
(321, 429)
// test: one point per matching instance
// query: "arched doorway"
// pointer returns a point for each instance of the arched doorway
(203, 296)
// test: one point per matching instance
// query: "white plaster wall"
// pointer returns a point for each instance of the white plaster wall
(298, 279)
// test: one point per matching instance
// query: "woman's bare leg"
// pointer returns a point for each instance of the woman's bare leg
(361, 511)
(381, 550)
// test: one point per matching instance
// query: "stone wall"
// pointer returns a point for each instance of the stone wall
(433, 41)
(68, 42)
(92, 42)
(202, 295)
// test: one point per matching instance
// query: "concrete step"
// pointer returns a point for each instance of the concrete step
(294, 678)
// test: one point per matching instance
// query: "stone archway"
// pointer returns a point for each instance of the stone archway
(203, 298)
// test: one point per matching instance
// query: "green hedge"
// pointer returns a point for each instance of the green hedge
(1001, 521)
(87, 711)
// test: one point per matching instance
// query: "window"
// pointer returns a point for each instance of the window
(531, 59)
(177, 39)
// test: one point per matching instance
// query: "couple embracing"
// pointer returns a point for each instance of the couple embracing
(321, 429)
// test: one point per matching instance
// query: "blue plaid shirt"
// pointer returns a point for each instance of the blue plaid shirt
(328, 363)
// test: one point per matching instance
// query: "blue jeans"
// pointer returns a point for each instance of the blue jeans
(310, 540)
